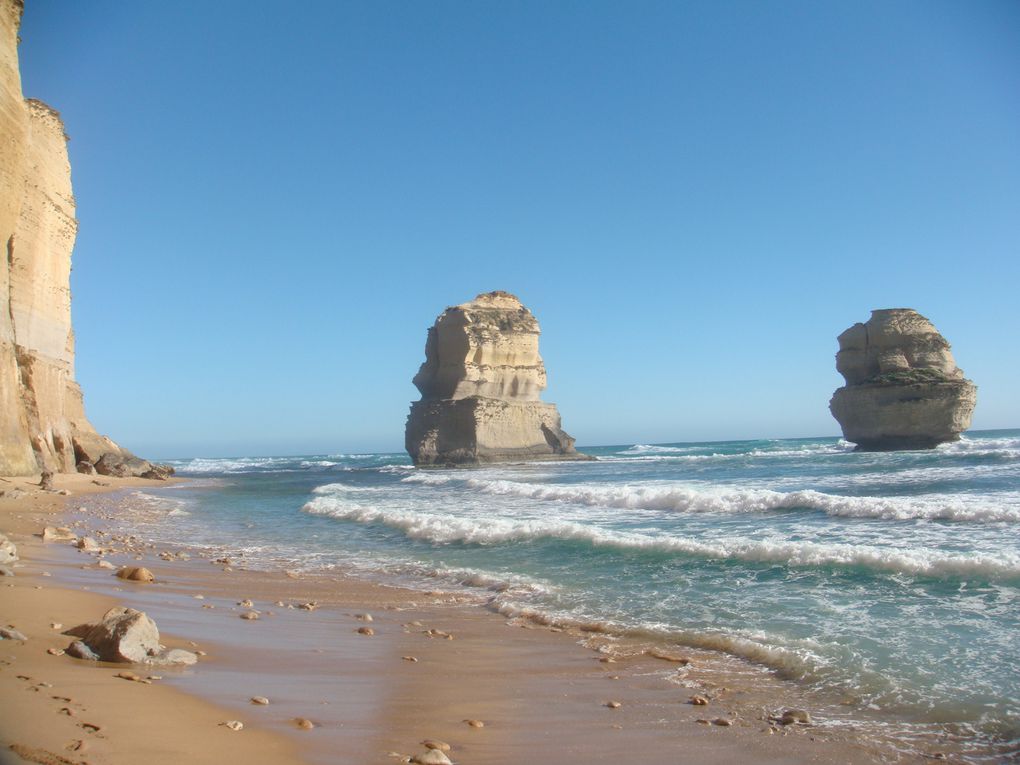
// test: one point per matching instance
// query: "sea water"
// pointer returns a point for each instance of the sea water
(891, 580)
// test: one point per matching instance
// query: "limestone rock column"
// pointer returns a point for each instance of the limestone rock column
(480, 387)
(903, 389)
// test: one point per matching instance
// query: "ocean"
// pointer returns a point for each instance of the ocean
(887, 583)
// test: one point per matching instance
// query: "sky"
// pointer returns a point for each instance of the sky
(694, 198)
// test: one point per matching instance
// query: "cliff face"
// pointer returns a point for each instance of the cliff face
(903, 389)
(42, 418)
(480, 387)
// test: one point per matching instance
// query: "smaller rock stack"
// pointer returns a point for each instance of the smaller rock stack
(480, 387)
(903, 389)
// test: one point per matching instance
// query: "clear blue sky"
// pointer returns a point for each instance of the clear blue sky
(695, 199)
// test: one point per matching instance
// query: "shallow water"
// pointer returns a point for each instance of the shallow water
(891, 581)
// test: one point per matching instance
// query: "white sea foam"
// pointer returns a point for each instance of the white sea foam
(679, 498)
(444, 528)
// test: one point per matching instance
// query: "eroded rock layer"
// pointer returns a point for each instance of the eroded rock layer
(42, 418)
(480, 387)
(903, 389)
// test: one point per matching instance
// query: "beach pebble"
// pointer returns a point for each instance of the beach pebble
(135, 574)
(310, 606)
(79, 650)
(431, 757)
(246, 603)
(364, 617)
(56, 626)
(702, 722)
(128, 676)
(55, 651)
(250, 615)
(667, 656)
(11, 634)
(722, 722)
(260, 700)
(87, 544)
(607, 660)
(365, 631)
(792, 716)
(304, 723)
(106, 564)
(614, 704)
(409, 658)
(432, 743)
(475, 723)
(698, 701)
(6, 571)
(233, 724)
(175, 656)
(57, 534)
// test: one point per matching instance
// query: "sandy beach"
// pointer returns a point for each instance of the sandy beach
(432, 662)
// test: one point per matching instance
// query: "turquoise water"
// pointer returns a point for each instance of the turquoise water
(891, 580)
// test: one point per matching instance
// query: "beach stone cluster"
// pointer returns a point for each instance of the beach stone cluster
(124, 635)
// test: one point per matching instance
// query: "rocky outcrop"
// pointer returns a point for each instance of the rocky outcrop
(480, 387)
(903, 389)
(42, 417)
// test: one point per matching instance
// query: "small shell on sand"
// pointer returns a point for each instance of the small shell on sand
(303, 723)
(409, 658)
(260, 700)
(250, 615)
(365, 631)
(475, 723)
(614, 704)
(233, 724)
(55, 651)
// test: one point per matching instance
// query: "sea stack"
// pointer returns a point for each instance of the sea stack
(480, 387)
(903, 389)
(42, 419)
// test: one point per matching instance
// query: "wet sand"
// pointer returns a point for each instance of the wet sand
(544, 695)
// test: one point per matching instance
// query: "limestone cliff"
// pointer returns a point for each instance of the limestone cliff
(42, 418)
(903, 389)
(480, 387)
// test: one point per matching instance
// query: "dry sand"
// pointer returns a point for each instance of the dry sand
(543, 696)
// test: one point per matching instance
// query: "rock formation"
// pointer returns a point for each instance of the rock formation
(42, 417)
(480, 387)
(903, 389)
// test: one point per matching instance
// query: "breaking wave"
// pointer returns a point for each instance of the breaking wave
(446, 529)
(671, 497)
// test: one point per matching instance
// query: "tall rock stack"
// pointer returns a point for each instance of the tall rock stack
(480, 387)
(42, 418)
(903, 389)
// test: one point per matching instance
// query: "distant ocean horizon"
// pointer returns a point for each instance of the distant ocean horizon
(889, 582)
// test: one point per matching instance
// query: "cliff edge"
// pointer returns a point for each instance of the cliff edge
(480, 387)
(42, 418)
(903, 389)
